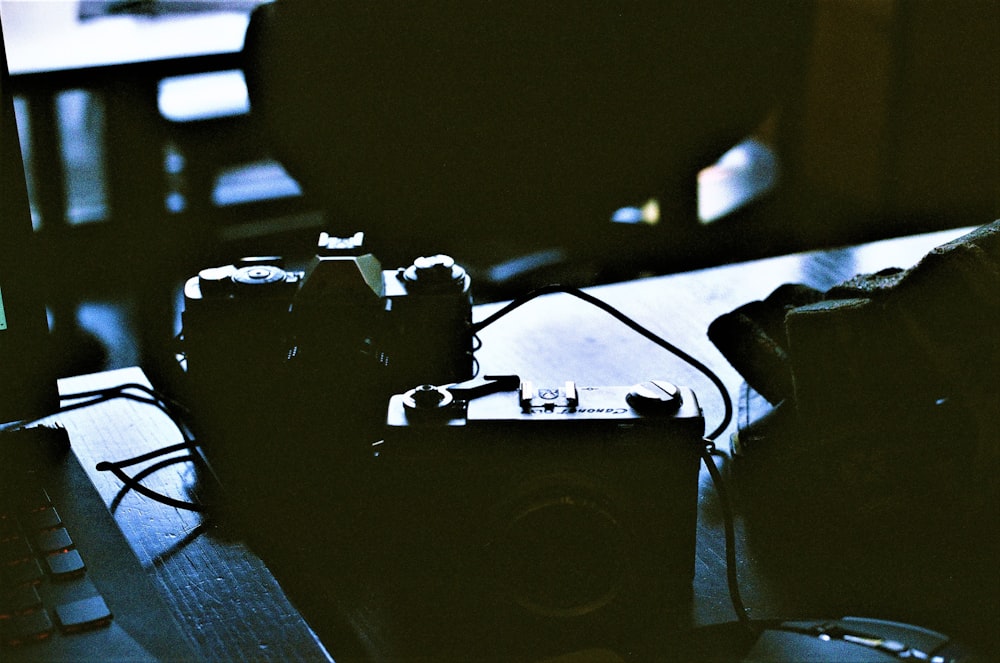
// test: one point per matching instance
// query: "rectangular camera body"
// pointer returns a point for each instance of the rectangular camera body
(267, 348)
(528, 521)
(343, 313)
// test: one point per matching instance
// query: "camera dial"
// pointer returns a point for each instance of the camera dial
(214, 281)
(435, 272)
(427, 398)
(655, 397)
(259, 275)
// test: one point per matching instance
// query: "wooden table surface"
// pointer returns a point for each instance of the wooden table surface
(225, 597)
(559, 337)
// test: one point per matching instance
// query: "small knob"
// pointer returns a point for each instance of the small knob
(259, 275)
(655, 397)
(427, 397)
(430, 271)
(215, 281)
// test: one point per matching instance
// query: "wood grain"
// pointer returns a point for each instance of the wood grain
(221, 593)
(225, 596)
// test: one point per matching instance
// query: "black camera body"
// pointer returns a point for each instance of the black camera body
(274, 355)
(513, 521)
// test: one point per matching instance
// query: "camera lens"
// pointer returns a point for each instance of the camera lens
(562, 553)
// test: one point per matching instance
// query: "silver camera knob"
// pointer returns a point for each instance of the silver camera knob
(427, 398)
(435, 272)
(655, 397)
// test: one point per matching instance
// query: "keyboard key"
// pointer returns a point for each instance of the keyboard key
(8, 529)
(14, 551)
(34, 500)
(65, 565)
(24, 629)
(50, 604)
(19, 600)
(83, 615)
(24, 573)
(41, 520)
(53, 540)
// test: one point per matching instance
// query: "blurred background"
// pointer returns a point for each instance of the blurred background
(146, 160)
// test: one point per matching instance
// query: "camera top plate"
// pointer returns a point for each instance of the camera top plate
(649, 402)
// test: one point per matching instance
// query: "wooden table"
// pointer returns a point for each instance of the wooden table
(230, 603)
(220, 591)
(559, 337)
(51, 37)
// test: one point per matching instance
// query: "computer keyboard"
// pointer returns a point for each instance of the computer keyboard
(71, 588)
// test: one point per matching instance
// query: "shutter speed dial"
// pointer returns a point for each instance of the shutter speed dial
(655, 396)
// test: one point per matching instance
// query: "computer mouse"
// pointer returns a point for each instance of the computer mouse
(844, 640)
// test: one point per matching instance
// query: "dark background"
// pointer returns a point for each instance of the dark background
(877, 118)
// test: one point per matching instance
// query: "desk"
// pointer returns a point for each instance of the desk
(50, 36)
(117, 161)
(226, 597)
(221, 593)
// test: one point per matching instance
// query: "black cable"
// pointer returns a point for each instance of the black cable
(152, 397)
(162, 451)
(103, 399)
(145, 472)
(156, 398)
(727, 402)
(729, 527)
(133, 483)
(96, 396)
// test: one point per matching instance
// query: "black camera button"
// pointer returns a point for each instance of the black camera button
(655, 397)
(427, 397)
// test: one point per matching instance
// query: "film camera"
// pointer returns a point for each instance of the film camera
(274, 354)
(536, 519)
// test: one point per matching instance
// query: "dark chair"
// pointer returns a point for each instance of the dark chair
(497, 130)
